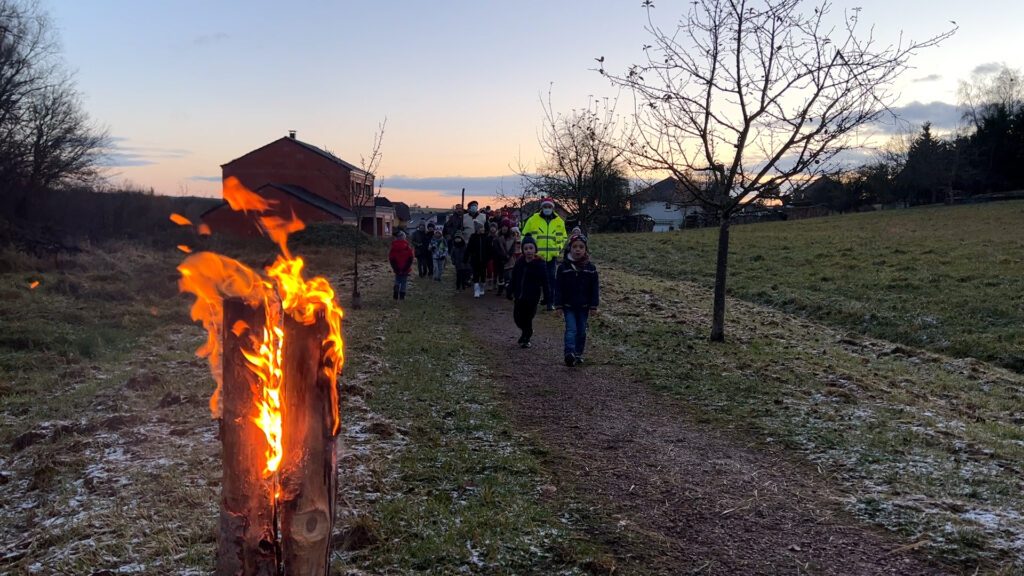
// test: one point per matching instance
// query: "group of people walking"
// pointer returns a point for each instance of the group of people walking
(538, 265)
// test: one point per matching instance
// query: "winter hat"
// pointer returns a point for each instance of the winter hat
(458, 236)
(514, 230)
(400, 235)
(580, 238)
(506, 222)
(547, 201)
(528, 240)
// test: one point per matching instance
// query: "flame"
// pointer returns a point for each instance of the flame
(33, 285)
(282, 291)
(184, 249)
(204, 229)
(241, 199)
(180, 220)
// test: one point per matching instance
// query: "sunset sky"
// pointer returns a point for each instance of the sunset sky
(184, 86)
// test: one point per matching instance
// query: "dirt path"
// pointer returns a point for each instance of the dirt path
(676, 497)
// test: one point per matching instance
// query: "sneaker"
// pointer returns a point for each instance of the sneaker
(570, 360)
(579, 360)
(525, 344)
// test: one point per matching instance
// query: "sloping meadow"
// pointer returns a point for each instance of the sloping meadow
(920, 441)
(948, 279)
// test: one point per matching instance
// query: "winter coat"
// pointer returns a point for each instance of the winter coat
(577, 285)
(452, 225)
(549, 234)
(478, 250)
(400, 257)
(514, 254)
(528, 279)
(469, 223)
(438, 248)
(503, 246)
(458, 254)
(421, 243)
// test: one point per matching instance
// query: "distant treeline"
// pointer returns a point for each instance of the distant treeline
(72, 215)
(986, 158)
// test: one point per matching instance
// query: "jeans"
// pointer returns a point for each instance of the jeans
(438, 268)
(423, 265)
(575, 330)
(401, 282)
(550, 267)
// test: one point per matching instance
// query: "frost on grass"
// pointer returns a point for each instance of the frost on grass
(926, 445)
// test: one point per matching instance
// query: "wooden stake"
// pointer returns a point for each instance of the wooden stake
(246, 539)
(309, 468)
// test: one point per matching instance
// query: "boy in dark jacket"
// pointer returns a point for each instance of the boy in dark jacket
(458, 254)
(577, 294)
(528, 278)
(401, 257)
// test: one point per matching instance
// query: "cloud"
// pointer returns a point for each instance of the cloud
(942, 115)
(121, 155)
(987, 68)
(208, 39)
(929, 78)
(453, 185)
(205, 178)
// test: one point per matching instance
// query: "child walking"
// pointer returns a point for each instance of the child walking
(458, 254)
(439, 252)
(528, 277)
(478, 253)
(401, 257)
(577, 293)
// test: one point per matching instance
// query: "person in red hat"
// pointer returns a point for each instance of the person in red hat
(547, 229)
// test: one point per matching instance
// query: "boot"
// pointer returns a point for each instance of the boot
(396, 293)
(401, 295)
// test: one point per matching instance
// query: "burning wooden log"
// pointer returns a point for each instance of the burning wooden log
(309, 471)
(275, 349)
(279, 524)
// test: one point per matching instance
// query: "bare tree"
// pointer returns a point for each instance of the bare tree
(363, 199)
(582, 169)
(1001, 88)
(744, 100)
(46, 138)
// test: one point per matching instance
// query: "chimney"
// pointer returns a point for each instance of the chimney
(291, 134)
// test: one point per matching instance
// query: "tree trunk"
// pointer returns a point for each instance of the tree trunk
(357, 299)
(246, 539)
(309, 466)
(721, 269)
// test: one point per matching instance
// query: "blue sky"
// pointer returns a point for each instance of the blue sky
(184, 86)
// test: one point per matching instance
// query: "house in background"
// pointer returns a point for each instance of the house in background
(300, 179)
(669, 205)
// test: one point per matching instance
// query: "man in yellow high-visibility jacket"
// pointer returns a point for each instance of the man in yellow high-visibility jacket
(548, 230)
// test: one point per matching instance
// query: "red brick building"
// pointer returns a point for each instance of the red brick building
(300, 178)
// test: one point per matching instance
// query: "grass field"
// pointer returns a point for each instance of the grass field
(110, 460)
(948, 279)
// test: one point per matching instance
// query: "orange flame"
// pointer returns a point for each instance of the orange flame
(204, 229)
(184, 249)
(213, 277)
(241, 199)
(180, 220)
(33, 285)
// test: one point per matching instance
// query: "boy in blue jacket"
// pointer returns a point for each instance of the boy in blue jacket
(577, 293)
